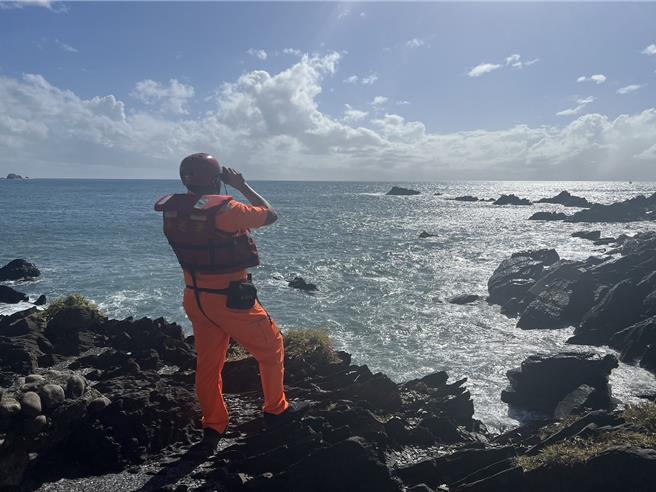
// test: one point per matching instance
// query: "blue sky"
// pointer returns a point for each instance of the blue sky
(267, 83)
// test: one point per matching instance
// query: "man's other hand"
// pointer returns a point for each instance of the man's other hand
(233, 178)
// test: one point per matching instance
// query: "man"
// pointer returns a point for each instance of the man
(209, 234)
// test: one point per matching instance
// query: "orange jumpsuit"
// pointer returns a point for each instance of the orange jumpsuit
(251, 328)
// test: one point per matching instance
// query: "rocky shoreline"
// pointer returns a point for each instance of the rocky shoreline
(91, 403)
(86, 399)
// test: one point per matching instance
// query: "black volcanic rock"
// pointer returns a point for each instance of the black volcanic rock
(398, 190)
(301, 284)
(636, 343)
(516, 275)
(559, 298)
(550, 216)
(590, 235)
(11, 296)
(466, 198)
(424, 235)
(18, 269)
(542, 381)
(511, 200)
(633, 209)
(567, 199)
(464, 299)
(14, 176)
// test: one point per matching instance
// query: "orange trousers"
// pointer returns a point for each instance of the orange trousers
(254, 330)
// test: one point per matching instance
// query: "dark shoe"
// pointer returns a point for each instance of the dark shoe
(294, 411)
(209, 442)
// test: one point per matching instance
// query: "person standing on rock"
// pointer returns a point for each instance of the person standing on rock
(209, 234)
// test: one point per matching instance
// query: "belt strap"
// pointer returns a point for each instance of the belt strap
(210, 291)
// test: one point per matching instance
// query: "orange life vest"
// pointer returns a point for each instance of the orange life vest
(190, 227)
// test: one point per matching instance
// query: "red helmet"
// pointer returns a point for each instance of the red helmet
(200, 170)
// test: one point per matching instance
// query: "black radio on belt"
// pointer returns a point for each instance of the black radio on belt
(241, 295)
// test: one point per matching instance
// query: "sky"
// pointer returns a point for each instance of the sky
(331, 91)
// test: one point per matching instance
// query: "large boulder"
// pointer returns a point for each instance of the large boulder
(18, 269)
(11, 296)
(511, 200)
(516, 275)
(559, 298)
(542, 381)
(398, 190)
(619, 308)
(567, 199)
(636, 343)
(548, 216)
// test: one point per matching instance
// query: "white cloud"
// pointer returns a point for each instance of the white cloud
(650, 50)
(65, 47)
(531, 62)
(343, 11)
(598, 78)
(580, 105)
(415, 43)
(379, 100)
(368, 80)
(171, 99)
(57, 7)
(263, 118)
(292, 51)
(363, 14)
(402, 103)
(514, 61)
(483, 68)
(628, 89)
(260, 54)
(351, 115)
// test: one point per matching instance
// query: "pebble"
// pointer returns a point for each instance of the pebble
(9, 407)
(75, 386)
(52, 395)
(34, 378)
(98, 404)
(30, 404)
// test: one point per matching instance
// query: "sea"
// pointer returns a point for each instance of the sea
(382, 290)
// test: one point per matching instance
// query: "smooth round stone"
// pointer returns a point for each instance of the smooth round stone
(34, 378)
(98, 404)
(36, 424)
(30, 404)
(75, 386)
(52, 395)
(9, 407)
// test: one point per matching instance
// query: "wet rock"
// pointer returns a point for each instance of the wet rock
(301, 284)
(548, 256)
(567, 199)
(542, 381)
(425, 234)
(466, 198)
(30, 404)
(548, 216)
(52, 395)
(41, 300)
(590, 235)
(70, 330)
(398, 190)
(464, 299)
(11, 296)
(18, 269)
(511, 200)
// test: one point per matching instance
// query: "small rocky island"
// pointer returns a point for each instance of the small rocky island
(15, 176)
(398, 190)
